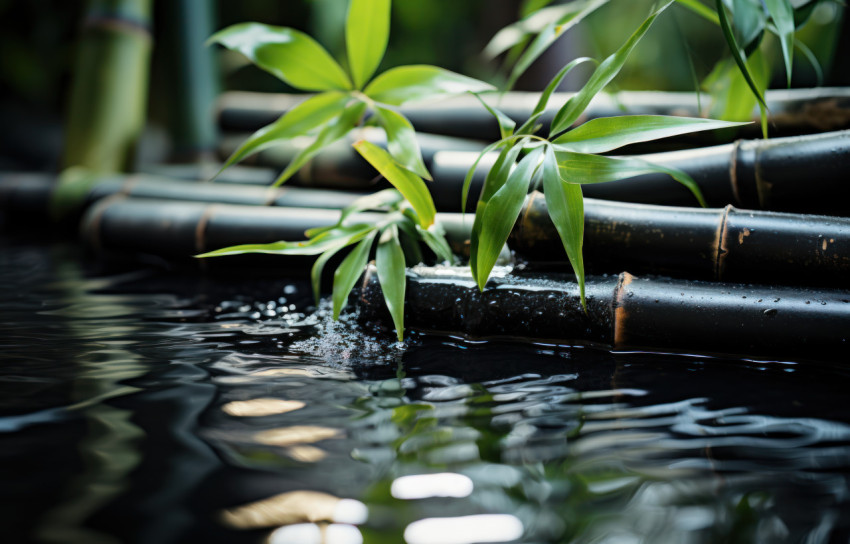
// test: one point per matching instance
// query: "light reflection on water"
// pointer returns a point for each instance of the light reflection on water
(140, 408)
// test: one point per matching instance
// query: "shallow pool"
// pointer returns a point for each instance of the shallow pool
(153, 407)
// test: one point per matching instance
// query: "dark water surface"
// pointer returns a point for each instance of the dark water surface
(143, 407)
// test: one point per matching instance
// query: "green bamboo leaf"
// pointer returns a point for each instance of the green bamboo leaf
(409, 184)
(300, 120)
(409, 239)
(327, 240)
(738, 56)
(530, 6)
(349, 271)
(810, 56)
(333, 131)
(550, 33)
(506, 124)
(467, 180)
(318, 268)
(499, 215)
(435, 238)
(782, 13)
(583, 168)
(287, 54)
(528, 126)
(496, 178)
(367, 30)
(700, 9)
(389, 262)
(388, 198)
(609, 133)
(401, 141)
(404, 84)
(749, 22)
(603, 75)
(566, 208)
(731, 98)
(567, 15)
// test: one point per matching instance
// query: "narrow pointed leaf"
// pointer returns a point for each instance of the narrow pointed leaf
(287, 54)
(467, 180)
(782, 13)
(527, 127)
(327, 240)
(566, 209)
(500, 214)
(401, 141)
(367, 30)
(333, 131)
(349, 271)
(409, 184)
(566, 15)
(388, 198)
(318, 268)
(553, 85)
(609, 133)
(700, 9)
(404, 84)
(506, 124)
(435, 238)
(389, 262)
(603, 75)
(584, 168)
(300, 120)
(812, 59)
(749, 22)
(550, 33)
(738, 56)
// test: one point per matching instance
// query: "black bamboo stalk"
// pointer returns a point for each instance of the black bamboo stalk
(109, 92)
(722, 244)
(625, 312)
(793, 112)
(339, 165)
(26, 197)
(801, 174)
(712, 244)
(194, 78)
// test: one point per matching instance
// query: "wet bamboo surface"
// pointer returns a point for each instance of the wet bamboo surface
(722, 244)
(625, 312)
(793, 112)
(710, 244)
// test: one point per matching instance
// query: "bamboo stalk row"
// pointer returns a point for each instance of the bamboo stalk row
(755, 174)
(625, 312)
(793, 112)
(713, 244)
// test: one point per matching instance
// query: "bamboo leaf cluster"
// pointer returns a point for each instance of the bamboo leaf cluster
(743, 24)
(566, 159)
(350, 97)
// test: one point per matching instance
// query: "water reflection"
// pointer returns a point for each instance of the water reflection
(193, 411)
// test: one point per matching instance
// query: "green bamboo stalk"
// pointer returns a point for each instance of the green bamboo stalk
(109, 91)
(194, 76)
